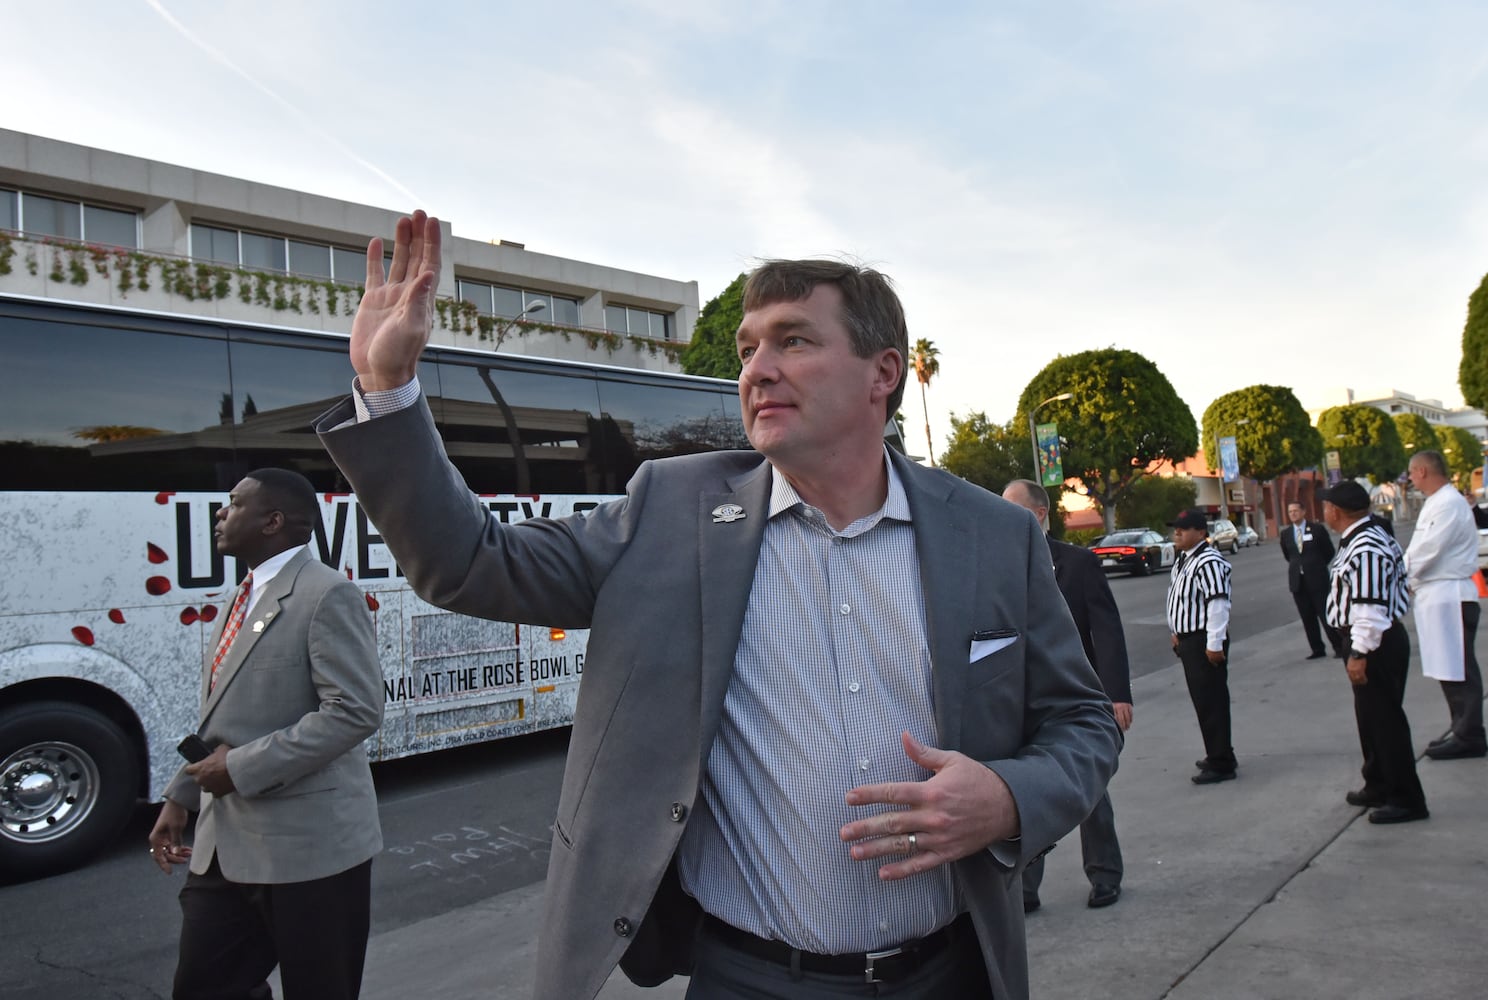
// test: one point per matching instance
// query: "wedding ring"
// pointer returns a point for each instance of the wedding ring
(914, 844)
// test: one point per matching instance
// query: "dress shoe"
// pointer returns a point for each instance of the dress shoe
(1208, 777)
(1440, 740)
(1397, 814)
(1453, 748)
(1364, 797)
(1316, 654)
(1031, 903)
(1103, 894)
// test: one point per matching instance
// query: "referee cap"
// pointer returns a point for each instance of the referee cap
(1347, 495)
(1191, 518)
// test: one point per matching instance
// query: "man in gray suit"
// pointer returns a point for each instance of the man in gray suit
(833, 701)
(291, 688)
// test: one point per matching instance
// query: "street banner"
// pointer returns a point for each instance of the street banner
(1229, 459)
(1051, 469)
(1333, 465)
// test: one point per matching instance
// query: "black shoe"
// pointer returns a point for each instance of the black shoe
(1440, 740)
(1364, 797)
(1397, 814)
(1316, 654)
(1453, 748)
(1031, 903)
(1103, 894)
(1208, 777)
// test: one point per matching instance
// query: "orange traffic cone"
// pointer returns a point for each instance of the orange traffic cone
(1482, 585)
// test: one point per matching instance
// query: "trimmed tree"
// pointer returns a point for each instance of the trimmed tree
(1472, 373)
(1415, 433)
(1153, 501)
(1462, 450)
(1124, 415)
(712, 350)
(1276, 438)
(1366, 441)
(990, 455)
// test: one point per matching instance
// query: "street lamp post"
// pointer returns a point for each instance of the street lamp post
(1224, 495)
(505, 324)
(1038, 475)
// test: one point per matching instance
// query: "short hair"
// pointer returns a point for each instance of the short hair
(1036, 493)
(871, 310)
(1435, 460)
(1296, 503)
(292, 495)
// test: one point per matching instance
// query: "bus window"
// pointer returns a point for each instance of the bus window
(87, 407)
(521, 430)
(646, 420)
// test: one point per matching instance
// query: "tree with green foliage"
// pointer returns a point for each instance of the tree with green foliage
(1462, 450)
(712, 350)
(1153, 501)
(1123, 416)
(1472, 372)
(924, 357)
(1276, 436)
(987, 454)
(1415, 433)
(1366, 441)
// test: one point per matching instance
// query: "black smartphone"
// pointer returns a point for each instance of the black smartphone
(194, 748)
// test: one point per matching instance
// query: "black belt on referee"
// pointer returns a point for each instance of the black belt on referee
(887, 966)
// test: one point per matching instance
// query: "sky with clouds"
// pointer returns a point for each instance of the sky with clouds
(1280, 192)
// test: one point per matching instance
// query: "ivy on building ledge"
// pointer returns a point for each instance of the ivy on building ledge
(76, 263)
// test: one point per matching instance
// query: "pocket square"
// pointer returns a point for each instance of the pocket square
(987, 642)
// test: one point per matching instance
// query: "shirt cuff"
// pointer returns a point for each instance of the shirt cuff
(1219, 624)
(1367, 630)
(381, 402)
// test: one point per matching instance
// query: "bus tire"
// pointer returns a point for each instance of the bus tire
(68, 782)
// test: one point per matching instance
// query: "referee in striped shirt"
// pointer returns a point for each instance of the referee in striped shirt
(1199, 617)
(1367, 598)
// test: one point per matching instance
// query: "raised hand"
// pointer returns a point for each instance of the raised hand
(393, 323)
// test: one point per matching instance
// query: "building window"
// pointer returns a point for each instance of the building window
(68, 219)
(638, 322)
(279, 253)
(503, 300)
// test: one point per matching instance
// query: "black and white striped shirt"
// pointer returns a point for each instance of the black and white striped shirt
(1367, 591)
(1200, 576)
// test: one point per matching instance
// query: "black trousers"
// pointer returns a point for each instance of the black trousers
(1099, 850)
(1312, 604)
(233, 934)
(1209, 690)
(1465, 697)
(1384, 731)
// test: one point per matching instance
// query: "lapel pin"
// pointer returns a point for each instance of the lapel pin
(728, 513)
(258, 626)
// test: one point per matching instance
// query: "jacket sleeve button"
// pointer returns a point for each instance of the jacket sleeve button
(679, 812)
(623, 927)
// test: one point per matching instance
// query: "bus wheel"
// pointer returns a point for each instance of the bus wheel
(68, 780)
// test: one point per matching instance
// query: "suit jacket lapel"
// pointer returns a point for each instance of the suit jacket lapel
(941, 536)
(728, 552)
(265, 612)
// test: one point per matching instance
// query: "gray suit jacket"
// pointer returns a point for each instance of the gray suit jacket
(296, 697)
(664, 589)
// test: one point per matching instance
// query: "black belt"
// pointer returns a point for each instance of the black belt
(887, 966)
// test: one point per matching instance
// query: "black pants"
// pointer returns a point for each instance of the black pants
(232, 936)
(1312, 605)
(1384, 731)
(1465, 697)
(1099, 850)
(1209, 689)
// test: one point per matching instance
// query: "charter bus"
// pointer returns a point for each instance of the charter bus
(121, 433)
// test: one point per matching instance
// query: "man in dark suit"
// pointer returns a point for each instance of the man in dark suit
(1083, 584)
(832, 701)
(1308, 550)
(281, 870)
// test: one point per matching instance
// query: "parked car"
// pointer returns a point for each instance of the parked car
(1138, 551)
(1223, 535)
(1247, 536)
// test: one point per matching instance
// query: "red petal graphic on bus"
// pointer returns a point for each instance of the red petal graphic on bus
(116, 616)
(348, 572)
(155, 553)
(189, 616)
(372, 602)
(209, 613)
(164, 498)
(157, 585)
(83, 635)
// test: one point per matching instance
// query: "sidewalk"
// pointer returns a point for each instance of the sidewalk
(1268, 887)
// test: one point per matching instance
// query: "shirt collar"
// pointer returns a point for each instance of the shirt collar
(783, 497)
(270, 567)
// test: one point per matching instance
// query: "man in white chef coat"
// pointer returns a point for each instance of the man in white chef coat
(1440, 563)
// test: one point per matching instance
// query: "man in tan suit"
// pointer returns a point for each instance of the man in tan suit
(291, 688)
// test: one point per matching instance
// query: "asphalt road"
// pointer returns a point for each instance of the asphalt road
(460, 826)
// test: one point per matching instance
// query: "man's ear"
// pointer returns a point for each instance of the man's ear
(889, 369)
(274, 523)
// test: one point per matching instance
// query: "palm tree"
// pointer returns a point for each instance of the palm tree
(926, 358)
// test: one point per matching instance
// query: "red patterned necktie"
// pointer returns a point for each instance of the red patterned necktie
(230, 630)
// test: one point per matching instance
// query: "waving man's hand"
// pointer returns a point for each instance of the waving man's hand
(392, 324)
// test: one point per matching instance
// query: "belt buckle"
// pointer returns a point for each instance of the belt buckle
(868, 974)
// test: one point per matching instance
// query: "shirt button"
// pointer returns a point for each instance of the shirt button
(853, 687)
(623, 927)
(846, 609)
(863, 764)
